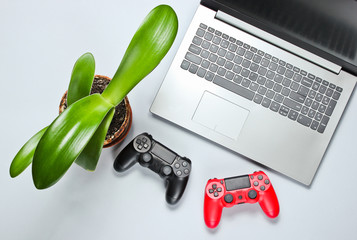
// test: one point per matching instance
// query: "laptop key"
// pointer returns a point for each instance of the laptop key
(297, 97)
(193, 68)
(284, 111)
(201, 72)
(330, 107)
(266, 102)
(258, 98)
(193, 58)
(209, 76)
(237, 78)
(196, 40)
(314, 125)
(246, 83)
(307, 82)
(292, 104)
(246, 93)
(336, 95)
(200, 32)
(306, 121)
(293, 115)
(323, 124)
(274, 106)
(253, 86)
(240, 51)
(185, 64)
(193, 48)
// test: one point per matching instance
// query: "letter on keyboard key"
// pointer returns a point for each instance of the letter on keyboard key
(233, 87)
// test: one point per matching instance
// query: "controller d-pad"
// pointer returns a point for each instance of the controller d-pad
(215, 190)
(142, 144)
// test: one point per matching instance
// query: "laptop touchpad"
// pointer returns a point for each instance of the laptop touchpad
(220, 115)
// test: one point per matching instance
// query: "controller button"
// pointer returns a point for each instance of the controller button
(260, 177)
(228, 198)
(184, 163)
(138, 141)
(177, 165)
(266, 181)
(214, 186)
(252, 194)
(186, 171)
(221, 181)
(179, 173)
(211, 190)
(219, 189)
(146, 157)
(256, 183)
(252, 177)
(146, 145)
(144, 140)
(215, 194)
(262, 188)
(240, 197)
(167, 170)
(140, 147)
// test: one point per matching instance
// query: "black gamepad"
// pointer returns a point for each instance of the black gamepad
(152, 154)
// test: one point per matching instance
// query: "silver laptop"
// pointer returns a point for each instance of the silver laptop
(268, 79)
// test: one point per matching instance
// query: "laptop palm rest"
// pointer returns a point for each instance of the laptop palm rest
(220, 115)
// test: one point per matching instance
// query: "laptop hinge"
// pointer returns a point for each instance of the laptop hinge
(278, 42)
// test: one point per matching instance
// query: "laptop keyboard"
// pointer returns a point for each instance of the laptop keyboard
(262, 78)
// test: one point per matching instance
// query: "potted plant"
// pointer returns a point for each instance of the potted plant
(122, 119)
(78, 133)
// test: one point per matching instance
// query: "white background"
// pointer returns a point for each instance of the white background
(39, 43)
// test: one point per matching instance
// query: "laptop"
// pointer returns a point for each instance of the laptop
(268, 79)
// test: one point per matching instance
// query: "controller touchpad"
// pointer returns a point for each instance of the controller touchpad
(163, 153)
(235, 183)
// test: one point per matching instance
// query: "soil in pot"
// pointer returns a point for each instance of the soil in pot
(121, 123)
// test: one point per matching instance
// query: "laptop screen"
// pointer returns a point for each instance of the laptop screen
(327, 28)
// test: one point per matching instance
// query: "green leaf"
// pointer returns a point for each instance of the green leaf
(81, 79)
(149, 45)
(79, 87)
(24, 157)
(89, 157)
(66, 138)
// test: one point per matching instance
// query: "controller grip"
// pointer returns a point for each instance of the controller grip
(126, 158)
(175, 188)
(212, 211)
(269, 203)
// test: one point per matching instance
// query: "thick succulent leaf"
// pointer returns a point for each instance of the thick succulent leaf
(89, 157)
(81, 78)
(24, 157)
(149, 45)
(66, 138)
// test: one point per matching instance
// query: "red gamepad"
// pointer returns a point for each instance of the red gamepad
(227, 192)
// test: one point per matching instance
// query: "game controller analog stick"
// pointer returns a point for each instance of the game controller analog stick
(155, 156)
(227, 192)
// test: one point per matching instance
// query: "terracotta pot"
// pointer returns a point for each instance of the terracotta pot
(116, 132)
